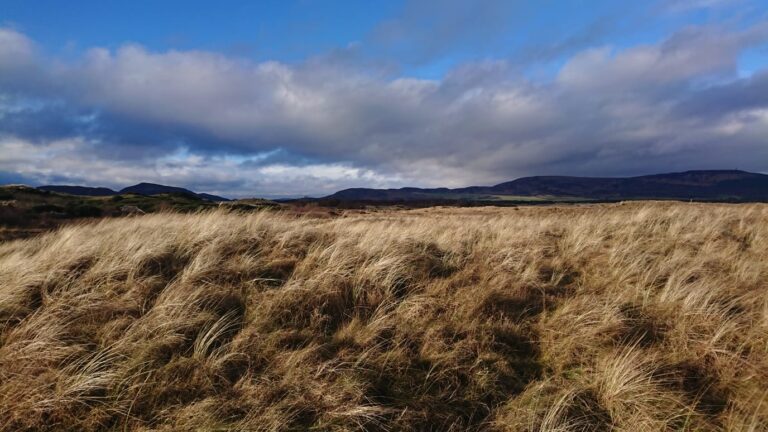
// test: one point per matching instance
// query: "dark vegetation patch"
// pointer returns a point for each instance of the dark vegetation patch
(641, 328)
(699, 383)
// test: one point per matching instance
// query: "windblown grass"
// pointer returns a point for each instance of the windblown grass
(636, 317)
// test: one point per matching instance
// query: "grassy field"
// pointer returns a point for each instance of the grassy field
(486, 197)
(542, 198)
(632, 317)
(25, 210)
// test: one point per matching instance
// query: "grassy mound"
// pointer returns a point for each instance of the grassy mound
(640, 317)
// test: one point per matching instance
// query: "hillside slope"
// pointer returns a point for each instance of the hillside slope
(158, 189)
(78, 190)
(720, 185)
(145, 189)
(25, 210)
(641, 317)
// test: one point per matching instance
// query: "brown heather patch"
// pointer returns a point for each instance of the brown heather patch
(633, 317)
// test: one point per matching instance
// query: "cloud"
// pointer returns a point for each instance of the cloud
(227, 125)
(590, 35)
(15, 48)
(17, 57)
(677, 6)
(73, 161)
(423, 30)
(740, 96)
(693, 53)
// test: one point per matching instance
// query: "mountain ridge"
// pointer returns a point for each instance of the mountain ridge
(713, 185)
(695, 184)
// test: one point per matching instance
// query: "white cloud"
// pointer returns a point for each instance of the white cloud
(55, 161)
(17, 56)
(610, 111)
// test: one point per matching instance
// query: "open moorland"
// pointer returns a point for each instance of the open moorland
(26, 211)
(645, 316)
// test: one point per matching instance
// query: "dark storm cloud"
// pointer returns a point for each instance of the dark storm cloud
(732, 98)
(200, 118)
(43, 122)
(124, 137)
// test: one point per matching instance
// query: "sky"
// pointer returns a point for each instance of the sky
(307, 97)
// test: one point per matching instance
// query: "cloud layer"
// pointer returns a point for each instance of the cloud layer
(233, 126)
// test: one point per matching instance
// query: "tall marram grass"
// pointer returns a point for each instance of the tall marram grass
(635, 317)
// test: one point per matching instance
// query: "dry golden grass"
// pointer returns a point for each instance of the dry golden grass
(635, 317)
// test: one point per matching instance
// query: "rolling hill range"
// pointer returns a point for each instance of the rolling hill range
(712, 185)
(25, 210)
(79, 190)
(146, 189)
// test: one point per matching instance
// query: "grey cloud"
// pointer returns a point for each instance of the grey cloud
(198, 118)
(41, 121)
(591, 35)
(732, 98)
(17, 52)
(692, 54)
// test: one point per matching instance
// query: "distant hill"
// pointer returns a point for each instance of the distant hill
(155, 189)
(25, 210)
(715, 185)
(147, 189)
(210, 197)
(79, 190)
